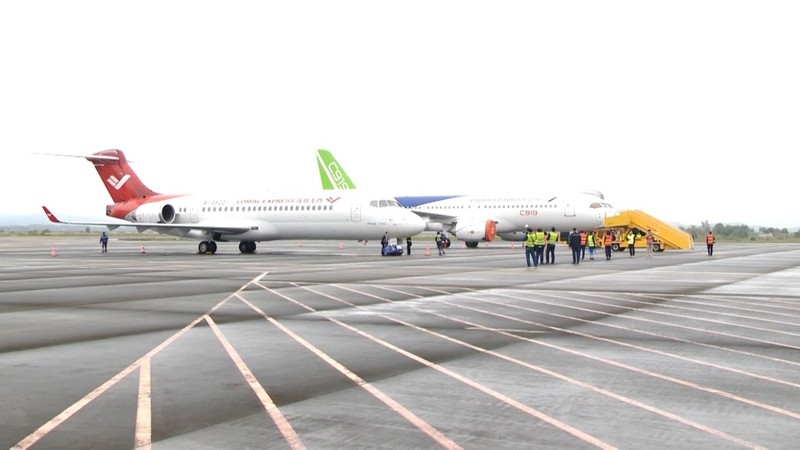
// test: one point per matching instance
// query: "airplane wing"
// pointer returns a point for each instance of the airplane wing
(182, 228)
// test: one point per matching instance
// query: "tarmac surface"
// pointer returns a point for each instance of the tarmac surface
(329, 345)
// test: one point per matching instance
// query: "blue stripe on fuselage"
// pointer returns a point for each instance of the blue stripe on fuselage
(414, 201)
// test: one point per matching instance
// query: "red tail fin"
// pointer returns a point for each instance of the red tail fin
(119, 179)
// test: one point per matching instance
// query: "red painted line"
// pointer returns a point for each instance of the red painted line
(710, 430)
(53, 423)
(642, 348)
(266, 401)
(486, 390)
(395, 406)
(667, 324)
(144, 427)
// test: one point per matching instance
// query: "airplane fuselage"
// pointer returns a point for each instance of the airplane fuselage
(272, 216)
(468, 215)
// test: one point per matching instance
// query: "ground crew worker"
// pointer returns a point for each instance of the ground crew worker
(575, 244)
(439, 243)
(530, 248)
(649, 239)
(583, 244)
(608, 239)
(710, 243)
(103, 242)
(384, 242)
(590, 244)
(550, 250)
(408, 246)
(539, 241)
(631, 243)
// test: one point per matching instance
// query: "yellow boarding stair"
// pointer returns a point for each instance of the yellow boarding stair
(670, 237)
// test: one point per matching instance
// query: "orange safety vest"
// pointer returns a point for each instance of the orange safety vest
(583, 238)
(710, 239)
(607, 239)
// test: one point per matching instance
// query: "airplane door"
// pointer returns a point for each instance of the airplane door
(355, 213)
(569, 210)
(193, 215)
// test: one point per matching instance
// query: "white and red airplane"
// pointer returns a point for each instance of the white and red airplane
(250, 218)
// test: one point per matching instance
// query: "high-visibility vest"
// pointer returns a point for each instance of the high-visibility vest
(590, 240)
(583, 238)
(552, 237)
(631, 238)
(607, 240)
(710, 239)
(529, 240)
(539, 239)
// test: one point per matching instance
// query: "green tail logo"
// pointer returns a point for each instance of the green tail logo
(331, 173)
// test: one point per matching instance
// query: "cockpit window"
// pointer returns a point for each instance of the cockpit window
(596, 205)
(385, 203)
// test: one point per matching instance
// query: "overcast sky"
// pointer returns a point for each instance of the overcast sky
(687, 110)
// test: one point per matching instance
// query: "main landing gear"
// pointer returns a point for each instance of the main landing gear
(207, 247)
(247, 247)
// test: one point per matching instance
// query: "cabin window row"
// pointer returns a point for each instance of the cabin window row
(264, 208)
(493, 206)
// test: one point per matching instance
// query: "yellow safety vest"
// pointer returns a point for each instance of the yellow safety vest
(539, 239)
(529, 240)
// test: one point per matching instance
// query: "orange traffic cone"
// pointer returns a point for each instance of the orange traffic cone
(427, 250)
(142, 250)
(53, 251)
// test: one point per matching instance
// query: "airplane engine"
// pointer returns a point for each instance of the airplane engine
(155, 212)
(518, 236)
(433, 226)
(476, 231)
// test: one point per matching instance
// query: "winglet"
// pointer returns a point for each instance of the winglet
(331, 173)
(50, 215)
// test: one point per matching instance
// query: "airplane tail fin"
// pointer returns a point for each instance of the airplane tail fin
(119, 179)
(331, 173)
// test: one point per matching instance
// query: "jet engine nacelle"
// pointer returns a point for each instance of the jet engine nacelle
(433, 226)
(518, 236)
(476, 231)
(155, 213)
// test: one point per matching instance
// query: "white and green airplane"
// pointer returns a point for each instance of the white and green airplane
(482, 218)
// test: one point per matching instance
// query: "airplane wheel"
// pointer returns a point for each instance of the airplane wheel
(202, 247)
(212, 247)
(471, 244)
(247, 247)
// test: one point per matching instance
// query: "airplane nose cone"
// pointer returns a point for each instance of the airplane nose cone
(412, 223)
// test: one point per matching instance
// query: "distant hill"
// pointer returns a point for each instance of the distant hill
(25, 222)
(7, 220)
